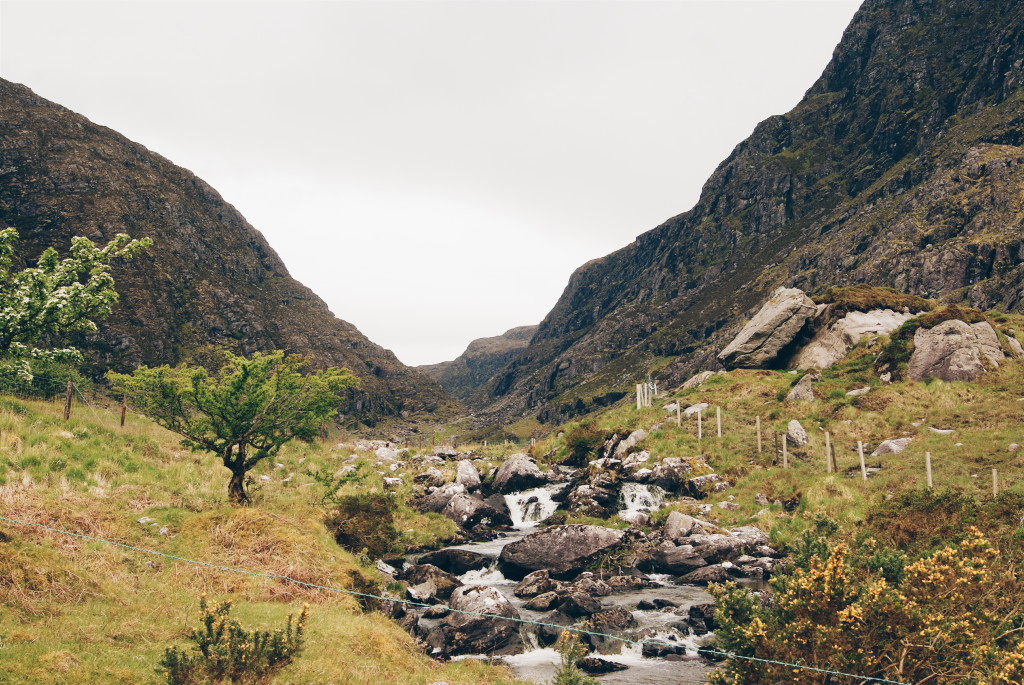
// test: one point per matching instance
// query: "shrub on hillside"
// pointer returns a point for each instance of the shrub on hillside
(582, 443)
(364, 523)
(225, 651)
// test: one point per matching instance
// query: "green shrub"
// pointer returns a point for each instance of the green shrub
(364, 523)
(571, 650)
(224, 651)
(582, 443)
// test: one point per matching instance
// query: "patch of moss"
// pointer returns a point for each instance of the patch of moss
(862, 297)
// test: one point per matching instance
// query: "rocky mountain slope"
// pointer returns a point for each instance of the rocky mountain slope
(211, 278)
(901, 166)
(481, 360)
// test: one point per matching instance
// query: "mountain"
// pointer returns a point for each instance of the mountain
(901, 166)
(210, 278)
(482, 359)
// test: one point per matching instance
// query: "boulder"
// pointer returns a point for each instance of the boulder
(698, 379)
(423, 574)
(802, 391)
(774, 327)
(893, 446)
(662, 649)
(437, 499)
(563, 550)
(671, 474)
(629, 442)
(628, 583)
(859, 391)
(588, 584)
(954, 351)
(579, 605)
(1016, 349)
(456, 561)
(519, 472)
(468, 511)
(536, 583)
(694, 408)
(467, 476)
(469, 633)
(543, 602)
(678, 526)
(678, 560)
(707, 575)
(834, 342)
(611, 621)
(430, 477)
(597, 665)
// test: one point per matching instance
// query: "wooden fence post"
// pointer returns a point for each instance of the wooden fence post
(828, 452)
(639, 396)
(863, 466)
(785, 451)
(67, 401)
(718, 420)
(700, 425)
(995, 483)
(759, 434)
(124, 408)
(928, 467)
(679, 412)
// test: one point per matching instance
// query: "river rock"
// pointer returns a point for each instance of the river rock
(662, 649)
(678, 526)
(954, 351)
(629, 442)
(468, 512)
(456, 561)
(628, 583)
(468, 633)
(588, 584)
(834, 342)
(706, 575)
(563, 550)
(467, 476)
(678, 560)
(536, 583)
(773, 327)
(579, 605)
(671, 474)
(421, 574)
(892, 446)
(437, 499)
(546, 601)
(611, 621)
(519, 472)
(597, 665)
(802, 391)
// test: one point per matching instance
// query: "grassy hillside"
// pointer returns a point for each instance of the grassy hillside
(74, 611)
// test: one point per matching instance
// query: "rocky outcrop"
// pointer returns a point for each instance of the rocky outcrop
(469, 633)
(517, 473)
(211, 279)
(803, 391)
(835, 341)
(456, 561)
(467, 476)
(954, 351)
(563, 550)
(795, 434)
(772, 329)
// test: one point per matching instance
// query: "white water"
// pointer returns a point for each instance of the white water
(530, 507)
(637, 497)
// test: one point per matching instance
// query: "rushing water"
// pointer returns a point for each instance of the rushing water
(529, 507)
(636, 497)
(538, 665)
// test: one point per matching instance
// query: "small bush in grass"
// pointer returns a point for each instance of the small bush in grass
(364, 522)
(582, 443)
(225, 651)
(571, 650)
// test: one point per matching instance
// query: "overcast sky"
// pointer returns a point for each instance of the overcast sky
(435, 171)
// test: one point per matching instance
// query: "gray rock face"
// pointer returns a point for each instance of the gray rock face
(629, 442)
(679, 560)
(803, 391)
(429, 575)
(894, 446)
(468, 512)
(536, 583)
(562, 550)
(467, 475)
(471, 634)
(795, 434)
(776, 325)
(697, 379)
(678, 525)
(954, 351)
(833, 343)
(456, 561)
(519, 472)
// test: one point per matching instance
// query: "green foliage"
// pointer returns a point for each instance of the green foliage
(245, 412)
(56, 297)
(581, 444)
(225, 651)
(571, 650)
(364, 523)
(862, 298)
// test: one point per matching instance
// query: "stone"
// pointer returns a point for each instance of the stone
(579, 605)
(467, 476)
(694, 408)
(834, 342)
(423, 574)
(678, 526)
(437, 499)
(563, 550)
(671, 474)
(588, 584)
(1013, 447)
(1016, 350)
(611, 621)
(678, 560)
(941, 431)
(597, 665)
(760, 500)
(470, 633)
(430, 477)
(697, 379)
(892, 446)
(424, 593)
(795, 434)
(728, 506)
(519, 472)
(468, 511)
(662, 649)
(456, 561)
(954, 351)
(635, 518)
(436, 612)
(392, 483)
(774, 327)
(802, 391)
(629, 442)
(543, 602)
(535, 583)
(859, 391)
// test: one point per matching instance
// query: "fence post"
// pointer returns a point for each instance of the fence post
(995, 483)
(718, 420)
(828, 453)
(759, 434)
(700, 425)
(863, 466)
(928, 467)
(639, 396)
(679, 412)
(67, 401)
(785, 451)
(124, 408)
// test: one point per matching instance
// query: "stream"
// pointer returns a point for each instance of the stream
(538, 664)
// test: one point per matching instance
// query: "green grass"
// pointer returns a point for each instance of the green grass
(74, 611)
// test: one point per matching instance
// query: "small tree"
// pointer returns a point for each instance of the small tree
(56, 297)
(245, 412)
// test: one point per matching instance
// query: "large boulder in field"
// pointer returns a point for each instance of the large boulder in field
(562, 550)
(834, 342)
(774, 327)
(467, 475)
(954, 351)
(795, 434)
(518, 473)
(470, 633)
